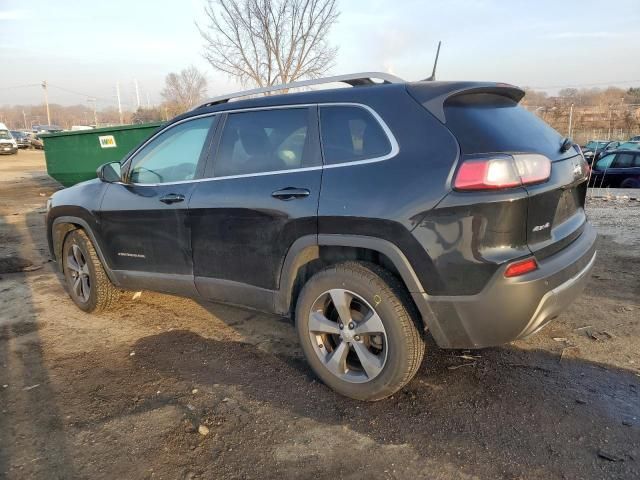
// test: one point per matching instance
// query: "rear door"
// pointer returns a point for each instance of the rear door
(262, 195)
(487, 123)
(621, 169)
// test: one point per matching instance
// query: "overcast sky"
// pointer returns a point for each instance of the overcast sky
(87, 46)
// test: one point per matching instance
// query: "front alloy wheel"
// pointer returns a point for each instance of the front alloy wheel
(78, 268)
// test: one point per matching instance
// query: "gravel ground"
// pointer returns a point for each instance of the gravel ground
(171, 388)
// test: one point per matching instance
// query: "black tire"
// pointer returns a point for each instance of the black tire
(102, 293)
(404, 341)
(630, 183)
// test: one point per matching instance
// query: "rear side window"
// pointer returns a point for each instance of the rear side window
(350, 134)
(264, 141)
(488, 123)
(623, 160)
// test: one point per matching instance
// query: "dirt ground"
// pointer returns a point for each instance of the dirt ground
(124, 394)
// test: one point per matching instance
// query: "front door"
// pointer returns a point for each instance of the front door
(144, 220)
(262, 196)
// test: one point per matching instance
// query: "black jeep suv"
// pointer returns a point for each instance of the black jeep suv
(370, 214)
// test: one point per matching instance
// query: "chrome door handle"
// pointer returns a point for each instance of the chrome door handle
(290, 193)
(172, 198)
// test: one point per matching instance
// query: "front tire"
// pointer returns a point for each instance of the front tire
(87, 283)
(358, 330)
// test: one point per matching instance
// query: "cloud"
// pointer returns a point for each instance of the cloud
(12, 14)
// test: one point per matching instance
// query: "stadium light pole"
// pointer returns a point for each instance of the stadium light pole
(46, 101)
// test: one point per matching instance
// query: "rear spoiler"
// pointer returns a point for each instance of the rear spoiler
(433, 95)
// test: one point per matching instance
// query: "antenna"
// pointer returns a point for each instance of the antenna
(435, 65)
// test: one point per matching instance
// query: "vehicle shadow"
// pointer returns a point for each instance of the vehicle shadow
(508, 413)
(32, 436)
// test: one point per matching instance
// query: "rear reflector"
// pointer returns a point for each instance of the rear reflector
(502, 171)
(520, 268)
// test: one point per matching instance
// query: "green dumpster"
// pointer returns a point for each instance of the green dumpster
(74, 157)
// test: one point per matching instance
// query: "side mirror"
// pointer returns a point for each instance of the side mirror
(110, 172)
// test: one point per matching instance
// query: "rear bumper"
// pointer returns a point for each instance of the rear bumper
(508, 309)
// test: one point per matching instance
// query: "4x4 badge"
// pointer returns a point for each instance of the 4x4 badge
(539, 228)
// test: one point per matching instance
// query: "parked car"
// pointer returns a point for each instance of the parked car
(594, 148)
(620, 168)
(369, 214)
(630, 145)
(8, 144)
(46, 128)
(36, 142)
(635, 139)
(21, 138)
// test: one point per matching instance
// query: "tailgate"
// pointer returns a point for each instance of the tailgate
(556, 214)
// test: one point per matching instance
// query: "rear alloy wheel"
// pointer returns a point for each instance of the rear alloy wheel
(87, 283)
(348, 336)
(358, 330)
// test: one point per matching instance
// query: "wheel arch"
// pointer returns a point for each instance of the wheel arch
(62, 226)
(311, 253)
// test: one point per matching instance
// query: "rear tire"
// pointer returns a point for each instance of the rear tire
(87, 283)
(377, 339)
(630, 183)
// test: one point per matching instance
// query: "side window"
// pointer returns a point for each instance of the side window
(351, 133)
(264, 141)
(636, 161)
(605, 162)
(173, 155)
(623, 160)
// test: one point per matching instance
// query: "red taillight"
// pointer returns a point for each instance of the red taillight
(502, 171)
(520, 268)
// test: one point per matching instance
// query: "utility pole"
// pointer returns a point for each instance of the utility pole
(570, 120)
(24, 118)
(46, 101)
(119, 104)
(148, 101)
(92, 100)
(135, 82)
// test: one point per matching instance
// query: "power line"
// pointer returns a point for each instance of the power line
(20, 86)
(79, 93)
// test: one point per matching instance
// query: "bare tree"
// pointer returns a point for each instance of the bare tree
(267, 42)
(183, 90)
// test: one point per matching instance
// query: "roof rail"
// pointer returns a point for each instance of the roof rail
(353, 79)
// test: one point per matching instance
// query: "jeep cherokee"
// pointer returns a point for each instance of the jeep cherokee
(369, 214)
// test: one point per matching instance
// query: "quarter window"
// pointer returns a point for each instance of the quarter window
(264, 141)
(173, 155)
(350, 134)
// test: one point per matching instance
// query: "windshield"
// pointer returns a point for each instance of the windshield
(5, 135)
(593, 145)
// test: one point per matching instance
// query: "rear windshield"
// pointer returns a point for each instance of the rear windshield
(486, 123)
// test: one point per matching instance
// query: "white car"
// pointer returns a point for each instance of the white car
(8, 144)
